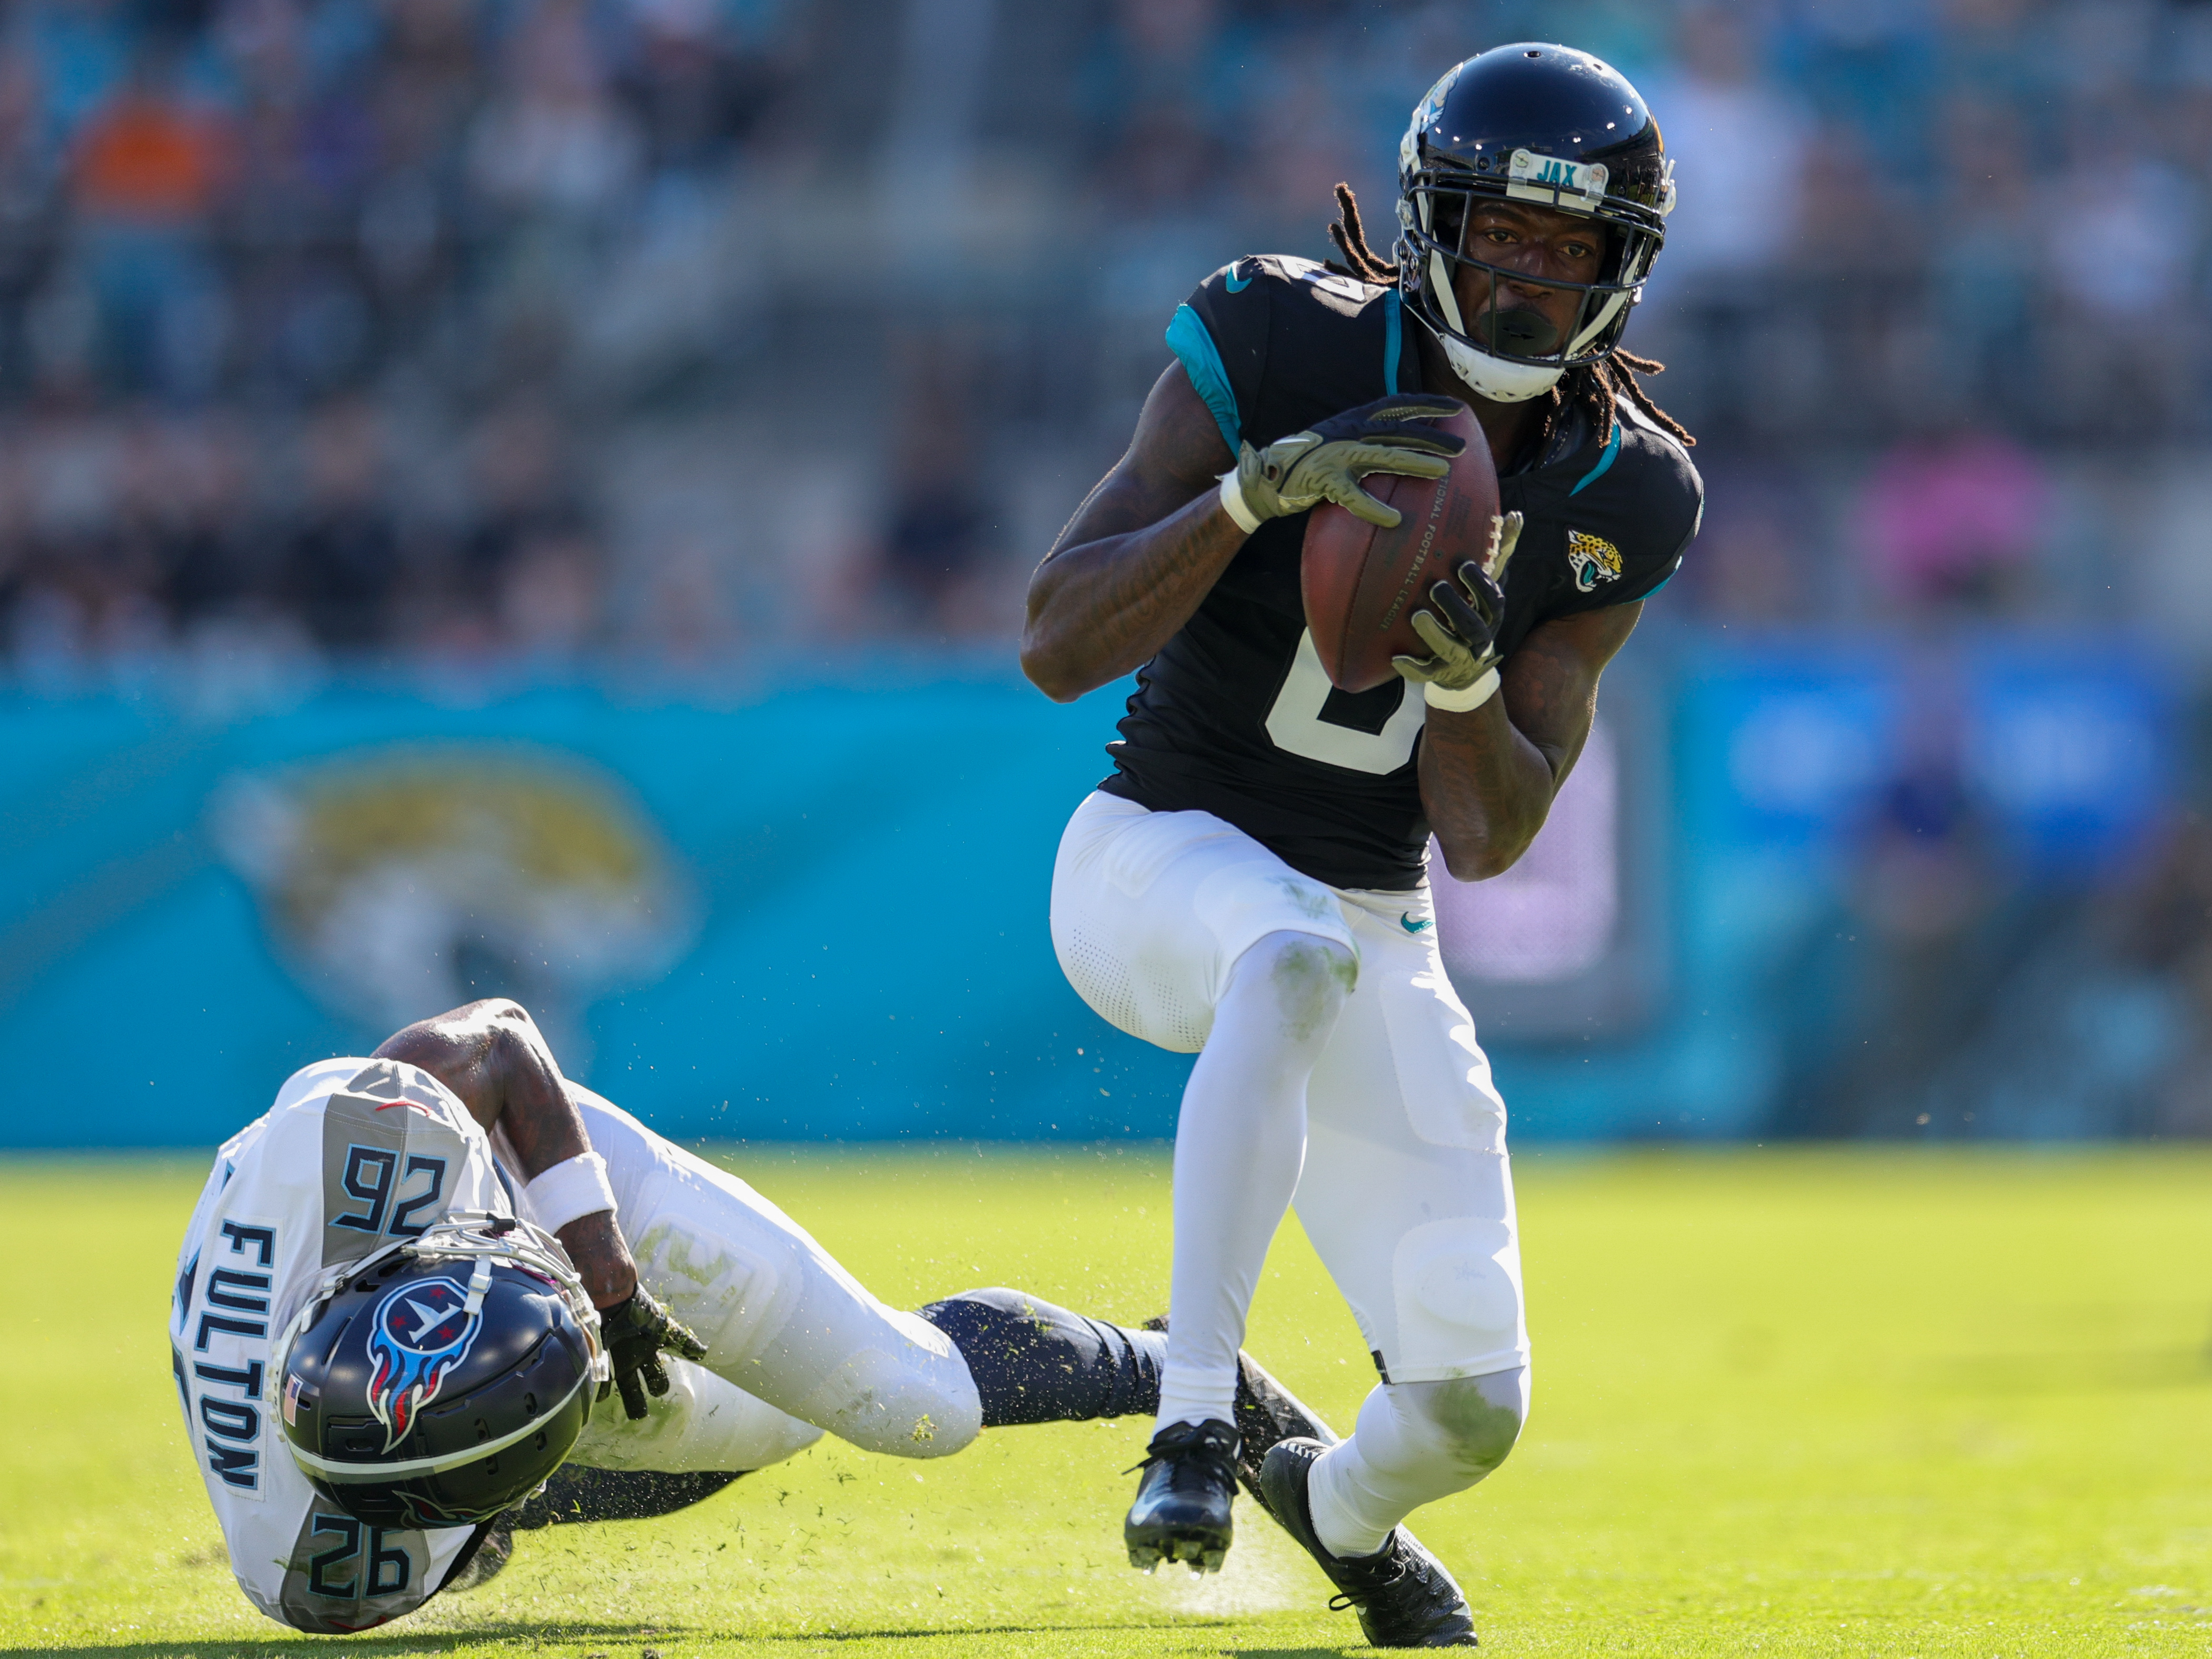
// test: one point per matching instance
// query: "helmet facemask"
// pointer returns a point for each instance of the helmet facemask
(1509, 354)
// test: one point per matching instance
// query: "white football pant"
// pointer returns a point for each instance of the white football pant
(1182, 930)
(795, 1346)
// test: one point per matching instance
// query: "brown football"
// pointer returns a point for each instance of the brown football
(1361, 584)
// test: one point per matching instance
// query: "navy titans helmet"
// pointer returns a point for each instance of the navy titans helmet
(441, 1379)
(1555, 127)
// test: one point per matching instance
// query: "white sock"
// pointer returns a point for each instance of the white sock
(1240, 1142)
(1415, 1443)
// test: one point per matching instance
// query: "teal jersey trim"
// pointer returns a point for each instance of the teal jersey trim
(1202, 361)
(1393, 340)
(1612, 449)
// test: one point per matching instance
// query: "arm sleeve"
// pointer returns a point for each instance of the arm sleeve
(1220, 337)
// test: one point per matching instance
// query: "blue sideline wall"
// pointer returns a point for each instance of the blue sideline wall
(866, 956)
(869, 874)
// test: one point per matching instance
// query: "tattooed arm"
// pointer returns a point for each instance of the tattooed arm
(1140, 554)
(1488, 776)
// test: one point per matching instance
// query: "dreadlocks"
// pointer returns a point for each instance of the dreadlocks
(1595, 386)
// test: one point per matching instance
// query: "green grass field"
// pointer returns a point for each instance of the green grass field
(1810, 1402)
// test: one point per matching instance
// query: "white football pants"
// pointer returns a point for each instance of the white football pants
(795, 1346)
(1394, 1158)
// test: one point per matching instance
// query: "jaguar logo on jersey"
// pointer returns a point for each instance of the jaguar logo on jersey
(422, 1330)
(1593, 559)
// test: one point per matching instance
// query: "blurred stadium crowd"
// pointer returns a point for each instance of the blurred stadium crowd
(531, 337)
(338, 322)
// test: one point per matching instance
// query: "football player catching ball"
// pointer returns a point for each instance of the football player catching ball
(1251, 883)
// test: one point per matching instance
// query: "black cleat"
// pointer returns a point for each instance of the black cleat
(1267, 1413)
(1181, 1512)
(1404, 1596)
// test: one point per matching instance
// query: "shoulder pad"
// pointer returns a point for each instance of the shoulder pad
(1641, 465)
(1273, 343)
(1288, 277)
(1657, 469)
(1627, 510)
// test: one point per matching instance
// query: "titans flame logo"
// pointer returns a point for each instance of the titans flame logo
(421, 1332)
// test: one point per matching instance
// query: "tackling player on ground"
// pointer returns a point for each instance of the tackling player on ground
(1251, 882)
(407, 1289)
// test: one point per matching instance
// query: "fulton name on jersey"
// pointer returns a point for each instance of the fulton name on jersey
(354, 1154)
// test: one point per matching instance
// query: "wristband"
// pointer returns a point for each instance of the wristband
(1232, 504)
(571, 1189)
(1461, 702)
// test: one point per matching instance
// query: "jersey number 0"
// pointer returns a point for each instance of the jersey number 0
(1295, 723)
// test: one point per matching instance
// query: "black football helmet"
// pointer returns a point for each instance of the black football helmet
(1549, 126)
(441, 1379)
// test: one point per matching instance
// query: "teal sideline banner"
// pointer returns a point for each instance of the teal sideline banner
(821, 915)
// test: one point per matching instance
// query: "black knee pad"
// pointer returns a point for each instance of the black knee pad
(575, 1493)
(1037, 1363)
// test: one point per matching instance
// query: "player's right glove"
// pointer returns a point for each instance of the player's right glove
(636, 1332)
(1326, 462)
(1462, 672)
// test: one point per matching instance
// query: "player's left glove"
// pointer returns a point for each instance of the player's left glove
(1460, 673)
(637, 1333)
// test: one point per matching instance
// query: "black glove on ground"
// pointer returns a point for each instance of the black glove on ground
(636, 1332)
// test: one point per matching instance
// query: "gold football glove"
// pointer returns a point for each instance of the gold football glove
(1326, 461)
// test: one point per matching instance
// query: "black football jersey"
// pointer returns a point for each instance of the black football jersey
(1236, 716)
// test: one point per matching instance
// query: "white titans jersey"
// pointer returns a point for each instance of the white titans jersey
(355, 1153)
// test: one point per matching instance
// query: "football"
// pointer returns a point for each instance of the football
(1361, 584)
